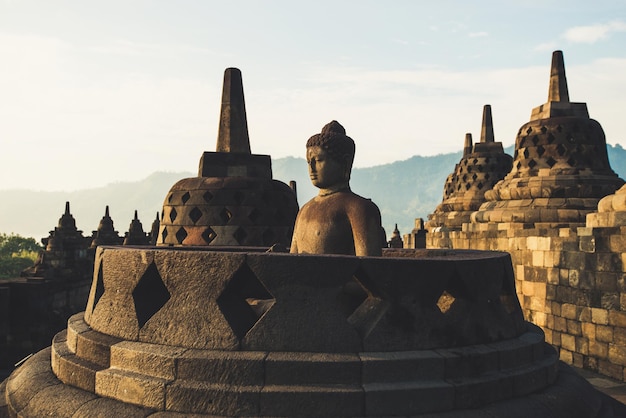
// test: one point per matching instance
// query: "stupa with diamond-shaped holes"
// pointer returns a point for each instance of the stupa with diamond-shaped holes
(234, 200)
(561, 168)
(483, 164)
(230, 331)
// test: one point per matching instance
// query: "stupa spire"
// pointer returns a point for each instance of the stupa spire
(467, 147)
(486, 133)
(232, 134)
(558, 82)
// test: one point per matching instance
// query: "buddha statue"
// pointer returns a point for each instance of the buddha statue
(336, 221)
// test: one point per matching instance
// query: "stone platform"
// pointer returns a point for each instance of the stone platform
(194, 332)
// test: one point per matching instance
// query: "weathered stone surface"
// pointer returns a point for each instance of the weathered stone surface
(402, 366)
(222, 367)
(283, 368)
(106, 408)
(312, 401)
(150, 359)
(131, 387)
(211, 398)
(408, 398)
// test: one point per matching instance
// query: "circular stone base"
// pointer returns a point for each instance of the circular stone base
(33, 390)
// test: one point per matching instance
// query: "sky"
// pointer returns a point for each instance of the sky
(93, 93)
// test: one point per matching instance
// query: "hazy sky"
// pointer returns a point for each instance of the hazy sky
(93, 92)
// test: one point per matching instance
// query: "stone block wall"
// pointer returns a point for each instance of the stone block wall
(570, 281)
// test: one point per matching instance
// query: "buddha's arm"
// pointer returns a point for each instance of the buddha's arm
(366, 230)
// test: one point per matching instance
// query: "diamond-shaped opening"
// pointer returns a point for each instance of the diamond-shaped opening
(209, 235)
(559, 128)
(173, 214)
(535, 140)
(164, 234)
(487, 160)
(99, 286)
(532, 163)
(488, 176)
(561, 150)
(572, 162)
(479, 167)
(540, 150)
(467, 186)
(529, 130)
(544, 129)
(445, 302)
(469, 168)
(185, 197)
(244, 301)
(181, 234)
(479, 185)
(150, 295)
(551, 161)
(475, 176)
(225, 215)
(169, 198)
(195, 214)
(475, 160)
(551, 138)
(207, 196)
(254, 215)
(362, 304)
(526, 153)
(464, 178)
(240, 235)
(518, 165)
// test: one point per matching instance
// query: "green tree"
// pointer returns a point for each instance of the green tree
(16, 254)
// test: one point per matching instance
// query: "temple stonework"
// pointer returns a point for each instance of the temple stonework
(482, 165)
(188, 328)
(39, 302)
(234, 201)
(560, 215)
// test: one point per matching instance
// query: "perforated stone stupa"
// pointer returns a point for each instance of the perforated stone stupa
(482, 165)
(560, 169)
(234, 201)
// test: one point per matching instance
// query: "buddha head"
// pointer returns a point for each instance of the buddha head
(330, 155)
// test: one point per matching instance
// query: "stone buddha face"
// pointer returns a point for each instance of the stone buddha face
(326, 171)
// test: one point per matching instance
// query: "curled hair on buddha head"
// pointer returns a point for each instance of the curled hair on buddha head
(334, 140)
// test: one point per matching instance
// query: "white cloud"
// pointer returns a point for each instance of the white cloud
(593, 33)
(478, 34)
(546, 46)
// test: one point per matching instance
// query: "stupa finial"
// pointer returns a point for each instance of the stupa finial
(558, 83)
(486, 133)
(467, 147)
(232, 134)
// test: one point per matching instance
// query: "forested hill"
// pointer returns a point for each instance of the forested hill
(404, 190)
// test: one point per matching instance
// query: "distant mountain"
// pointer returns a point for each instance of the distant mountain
(404, 190)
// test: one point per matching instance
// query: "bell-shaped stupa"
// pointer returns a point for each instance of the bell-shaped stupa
(560, 169)
(234, 201)
(483, 164)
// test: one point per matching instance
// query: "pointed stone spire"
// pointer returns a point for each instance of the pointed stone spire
(67, 221)
(467, 147)
(396, 239)
(558, 83)
(135, 234)
(154, 230)
(233, 130)
(486, 133)
(558, 104)
(106, 233)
